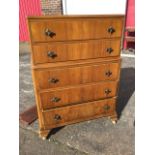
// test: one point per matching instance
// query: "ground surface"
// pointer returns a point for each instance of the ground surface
(96, 137)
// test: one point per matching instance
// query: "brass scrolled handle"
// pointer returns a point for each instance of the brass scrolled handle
(107, 91)
(53, 80)
(49, 33)
(108, 73)
(55, 99)
(111, 30)
(109, 50)
(57, 117)
(51, 54)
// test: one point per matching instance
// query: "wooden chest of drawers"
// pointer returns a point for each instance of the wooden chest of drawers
(75, 67)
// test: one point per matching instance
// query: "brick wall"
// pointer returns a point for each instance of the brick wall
(50, 7)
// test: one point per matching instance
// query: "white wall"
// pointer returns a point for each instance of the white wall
(77, 7)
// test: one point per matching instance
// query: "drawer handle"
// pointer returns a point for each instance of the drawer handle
(109, 50)
(106, 107)
(108, 73)
(111, 30)
(55, 99)
(49, 33)
(107, 91)
(57, 117)
(51, 54)
(53, 80)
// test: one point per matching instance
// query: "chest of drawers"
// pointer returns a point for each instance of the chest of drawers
(75, 68)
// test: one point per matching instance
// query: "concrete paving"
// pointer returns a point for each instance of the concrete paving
(31, 144)
(96, 137)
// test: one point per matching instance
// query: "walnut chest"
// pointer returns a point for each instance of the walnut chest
(75, 68)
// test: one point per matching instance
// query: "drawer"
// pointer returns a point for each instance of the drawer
(54, 52)
(52, 78)
(75, 29)
(80, 112)
(79, 94)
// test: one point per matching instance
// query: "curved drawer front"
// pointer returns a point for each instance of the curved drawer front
(79, 94)
(75, 29)
(45, 53)
(79, 112)
(52, 78)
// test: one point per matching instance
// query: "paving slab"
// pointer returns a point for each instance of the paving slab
(95, 137)
(30, 144)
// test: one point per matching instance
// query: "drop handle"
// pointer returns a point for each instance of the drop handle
(107, 91)
(55, 99)
(106, 107)
(109, 50)
(111, 30)
(57, 117)
(108, 73)
(49, 33)
(51, 54)
(53, 80)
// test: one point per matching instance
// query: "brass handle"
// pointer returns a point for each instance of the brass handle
(107, 91)
(109, 50)
(106, 107)
(49, 33)
(53, 80)
(55, 99)
(57, 117)
(111, 30)
(108, 73)
(51, 54)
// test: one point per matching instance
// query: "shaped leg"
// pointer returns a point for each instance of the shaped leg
(114, 118)
(43, 134)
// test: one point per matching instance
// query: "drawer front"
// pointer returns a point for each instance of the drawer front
(52, 78)
(54, 52)
(75, 29)
(79, 94)
(77, 113)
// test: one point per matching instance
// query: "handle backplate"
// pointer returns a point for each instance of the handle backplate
(106, 107)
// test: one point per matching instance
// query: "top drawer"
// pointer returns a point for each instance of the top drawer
(63, 29)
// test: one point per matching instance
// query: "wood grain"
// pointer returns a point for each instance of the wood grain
(31, 18)
(79, 112)
(67, 64)
(75, 50)
(80, 94)
(76, 75)
(75, 29)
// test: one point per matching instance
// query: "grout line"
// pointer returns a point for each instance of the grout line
(128, 55)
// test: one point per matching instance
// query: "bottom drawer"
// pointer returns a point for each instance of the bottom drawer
(77, 113)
